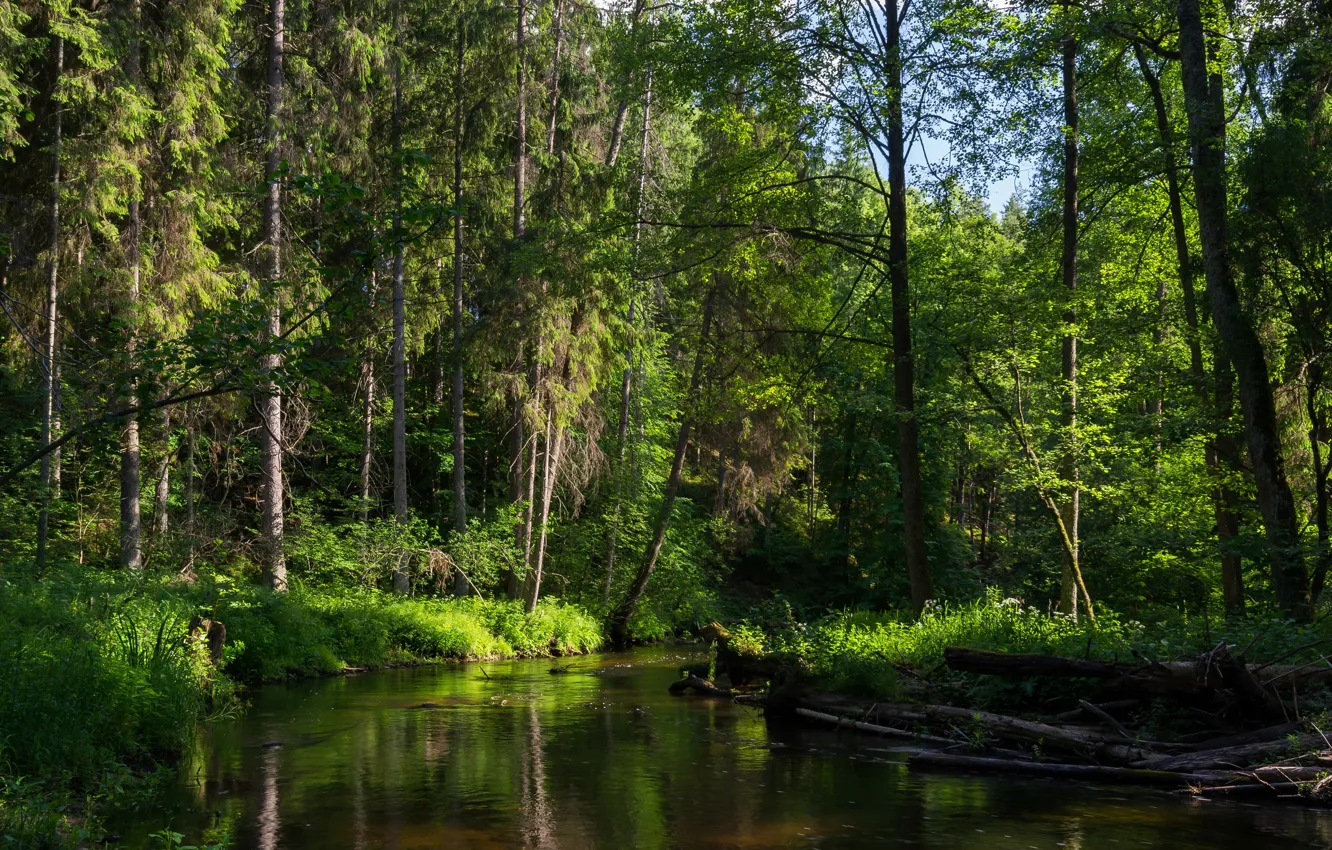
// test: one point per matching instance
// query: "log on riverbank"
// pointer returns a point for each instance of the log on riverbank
(1213, 670)
(1264, 781)
(1242, 755)
(699, 686)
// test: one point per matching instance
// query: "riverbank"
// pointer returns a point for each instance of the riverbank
(1228, 709)
(107, 676)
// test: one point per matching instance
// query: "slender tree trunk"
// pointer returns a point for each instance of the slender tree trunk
(622, 111)
(368, 412)
(189, 483)
(459, 425)
(273, 559)
(1232, 570)
(516, 472)
(1225, 453)
(849, 475)
(462, 586)
(619, 618)
(904, 393)
(555, 78)
(1068, 420)
(520, 131)
(626, 384)
(529, 500)
(162, 492)
(401, 579)
(1318, 434)
(549, 474)
(1206, 111)
(50, 476)
(131, 549)
(517, 451)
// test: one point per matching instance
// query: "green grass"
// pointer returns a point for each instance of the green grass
(861, 653)
(307, 632)
(100, 687)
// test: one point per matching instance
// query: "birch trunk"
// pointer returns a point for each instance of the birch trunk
(50, 476)
(273, 559)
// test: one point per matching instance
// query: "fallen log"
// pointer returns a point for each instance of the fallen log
(1002, 726)
(1156, 678)
(1253, 695)
(992, 663)
(1108, 707)
(870, 727)
(1251, 789)
(1236, 756)
(1231, 781)
(1089, 772)
(698, 686)
(1255, 736)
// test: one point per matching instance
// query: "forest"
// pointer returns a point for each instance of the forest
(354, 333)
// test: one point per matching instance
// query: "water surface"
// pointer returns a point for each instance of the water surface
(509, 755)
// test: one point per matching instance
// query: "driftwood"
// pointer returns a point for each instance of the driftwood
(1236, 756)
(1176, 675)
(1013, 728)
(869, 727)
(698, 686)
(1255, 736)
(1108, 707)
(1253, 695)
(1264, 778)
(1095, 772)
(984, 661)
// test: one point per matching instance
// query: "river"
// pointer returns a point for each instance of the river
(511, 755)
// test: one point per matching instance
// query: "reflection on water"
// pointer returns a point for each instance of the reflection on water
(603, 757)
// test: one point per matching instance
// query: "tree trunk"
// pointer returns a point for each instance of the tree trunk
(50, 373)
(549, 472)
(1232, 576)
(520, 132)
(459, 423)
(626, 385)
(1206, 111)
(622, 111)
(368, 409)
(844, 497)
(619, 618)
(189, 483)
(1068, 419)
(273, 559)
(162, 492)
(1318, 434)
(131, 548)
(555, 78)
(908, 427)
(517, 451)
(401, 579)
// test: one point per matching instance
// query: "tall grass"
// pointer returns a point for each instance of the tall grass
(308, 632)
(100, 682)
(863, 653)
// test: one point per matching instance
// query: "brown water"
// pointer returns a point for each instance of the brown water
(603, 757)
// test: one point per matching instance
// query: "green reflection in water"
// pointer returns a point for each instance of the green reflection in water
(603, 757)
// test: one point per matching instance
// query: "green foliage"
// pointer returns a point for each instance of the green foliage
(310, 632)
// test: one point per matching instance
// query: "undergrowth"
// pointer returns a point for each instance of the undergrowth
(865, 653)
(103, 685)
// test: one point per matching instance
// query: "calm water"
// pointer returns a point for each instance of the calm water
(603, 757)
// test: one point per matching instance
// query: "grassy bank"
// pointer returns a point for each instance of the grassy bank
(103, 688)
(865, 654)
